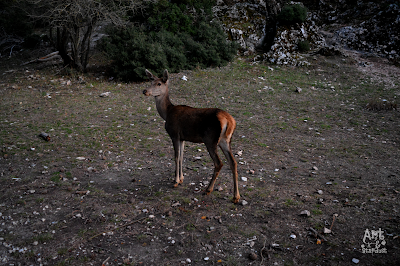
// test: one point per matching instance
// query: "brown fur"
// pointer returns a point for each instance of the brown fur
(211, 126)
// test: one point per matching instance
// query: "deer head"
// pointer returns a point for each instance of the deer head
(159, 86)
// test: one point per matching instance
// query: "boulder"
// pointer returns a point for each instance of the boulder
(370, 27)
(244, 22)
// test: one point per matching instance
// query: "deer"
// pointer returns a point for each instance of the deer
(211, 126)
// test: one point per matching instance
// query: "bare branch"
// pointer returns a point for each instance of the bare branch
(52, 56)
(75, 20)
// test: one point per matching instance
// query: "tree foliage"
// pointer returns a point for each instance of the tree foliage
(292, 13)
(174, 34)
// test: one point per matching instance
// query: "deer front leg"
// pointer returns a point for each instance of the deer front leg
(212, 150)
(178, 150)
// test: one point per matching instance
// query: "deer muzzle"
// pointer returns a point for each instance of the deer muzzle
(146, 92)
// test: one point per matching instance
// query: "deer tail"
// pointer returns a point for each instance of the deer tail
(228, 125)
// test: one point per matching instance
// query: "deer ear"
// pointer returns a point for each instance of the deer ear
(165, 76)
(150, 75)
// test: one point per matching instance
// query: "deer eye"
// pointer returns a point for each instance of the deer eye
(159, 84)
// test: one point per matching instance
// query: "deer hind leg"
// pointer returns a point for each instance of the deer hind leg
(178, 149)
(226, 149)
(212, 150)
(181, 162)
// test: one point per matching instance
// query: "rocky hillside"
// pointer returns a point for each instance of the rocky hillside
(372, 28)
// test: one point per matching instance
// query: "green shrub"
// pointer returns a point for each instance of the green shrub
(132, 52)
(184, 40)
(292, 14)
(170, 17)
(303, 46)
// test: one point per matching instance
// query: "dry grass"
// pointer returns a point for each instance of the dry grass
(291, 145)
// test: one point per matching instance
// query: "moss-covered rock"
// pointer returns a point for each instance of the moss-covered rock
(243, 21)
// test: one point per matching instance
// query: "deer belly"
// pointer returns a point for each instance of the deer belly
(194, 139)
(191, 134)
(187, 134)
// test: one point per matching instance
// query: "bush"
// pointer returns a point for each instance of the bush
(292, 14)
(303, 46)
(129, 49)
(133, 50)
(165, 42)
(170, 17)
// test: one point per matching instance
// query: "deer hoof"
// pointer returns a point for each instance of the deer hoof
(181, 181)
(235, 200)
(207, 192)
(176, 185)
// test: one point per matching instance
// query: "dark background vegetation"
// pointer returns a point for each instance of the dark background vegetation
(174, 35)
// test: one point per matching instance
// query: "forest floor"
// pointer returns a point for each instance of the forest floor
(319, 168)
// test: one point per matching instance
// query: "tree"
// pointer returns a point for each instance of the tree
(168, 34)
(71, 23)
(273, 8)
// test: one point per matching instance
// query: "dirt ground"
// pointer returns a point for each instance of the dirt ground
(319, 168)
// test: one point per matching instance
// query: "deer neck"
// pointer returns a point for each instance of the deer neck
(162, 104)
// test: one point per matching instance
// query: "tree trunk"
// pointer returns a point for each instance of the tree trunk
(62, 39)
(80, 45)
(273, 9)
(79, 40)
(75, 47)
(86, 45)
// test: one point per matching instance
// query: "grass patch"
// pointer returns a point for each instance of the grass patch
(42, 238)
(124, 141)
(316, 211)
(290, 202)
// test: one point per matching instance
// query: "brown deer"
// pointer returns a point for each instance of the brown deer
(211, 126)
